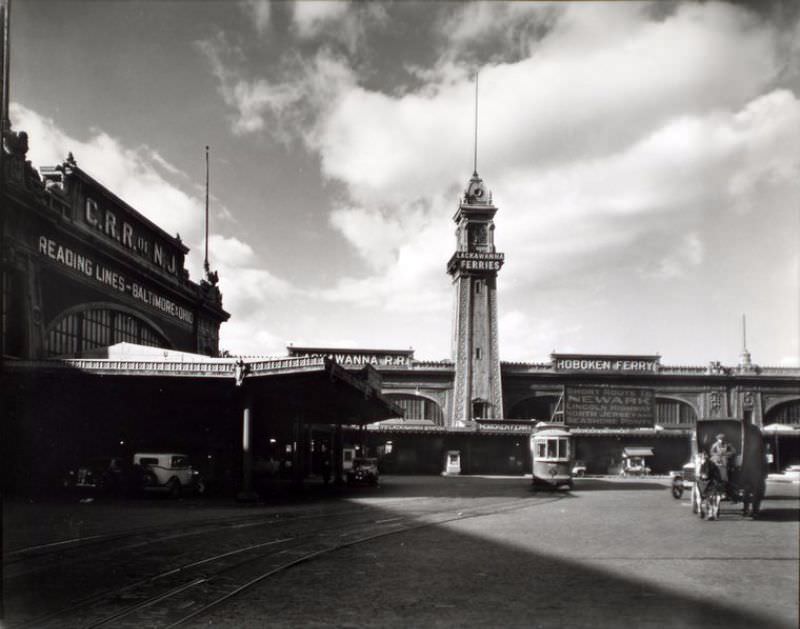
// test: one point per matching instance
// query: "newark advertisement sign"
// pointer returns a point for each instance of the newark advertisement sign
(598, 406)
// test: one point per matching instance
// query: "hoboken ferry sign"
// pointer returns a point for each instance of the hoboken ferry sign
(605, 363)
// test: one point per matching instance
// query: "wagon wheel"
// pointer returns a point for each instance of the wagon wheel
(174, 488)
(695, 499)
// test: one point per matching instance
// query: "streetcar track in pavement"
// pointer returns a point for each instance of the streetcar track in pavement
(306, 552)
(216, 584)
(310, 556)
(148, 535)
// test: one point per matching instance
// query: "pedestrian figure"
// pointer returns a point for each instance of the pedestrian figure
(721, 453)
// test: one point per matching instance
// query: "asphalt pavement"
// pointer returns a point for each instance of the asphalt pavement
(489, 552)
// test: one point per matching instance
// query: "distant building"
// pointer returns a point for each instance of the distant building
(486, 408)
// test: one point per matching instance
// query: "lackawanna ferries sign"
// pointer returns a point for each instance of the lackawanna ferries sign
(357, 357)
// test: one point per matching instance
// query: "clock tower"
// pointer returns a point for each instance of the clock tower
(477, 390)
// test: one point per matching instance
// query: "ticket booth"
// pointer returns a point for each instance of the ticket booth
(452, 463)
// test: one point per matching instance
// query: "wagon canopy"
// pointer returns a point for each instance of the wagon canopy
(637, 451)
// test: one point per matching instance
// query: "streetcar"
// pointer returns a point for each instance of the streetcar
(553, 454)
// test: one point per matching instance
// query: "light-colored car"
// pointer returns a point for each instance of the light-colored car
(579, 468)
(791, 473)
(168, 472)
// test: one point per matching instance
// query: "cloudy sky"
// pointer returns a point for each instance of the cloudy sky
(644, 158)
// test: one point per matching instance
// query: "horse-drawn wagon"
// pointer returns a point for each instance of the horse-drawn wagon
(737, 451)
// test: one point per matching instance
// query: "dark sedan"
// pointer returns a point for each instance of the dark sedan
(104, 476)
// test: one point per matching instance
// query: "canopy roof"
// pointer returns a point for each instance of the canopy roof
(313, 389)
(637, 451)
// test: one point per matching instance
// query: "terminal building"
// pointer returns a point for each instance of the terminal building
(83, 270)
(485, 409)
(107, 342)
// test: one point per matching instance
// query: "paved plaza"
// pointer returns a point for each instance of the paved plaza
(415, 551)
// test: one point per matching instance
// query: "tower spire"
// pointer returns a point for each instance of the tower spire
(744, 333)
(475, 155)
(744, 360)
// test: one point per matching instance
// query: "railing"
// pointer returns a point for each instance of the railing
(150, 367)
(282, 364)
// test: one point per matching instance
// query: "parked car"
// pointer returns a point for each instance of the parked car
(579, 468)
(793, 471)
(108, 475)
(635, 466)
(363, 471)
(169, 472)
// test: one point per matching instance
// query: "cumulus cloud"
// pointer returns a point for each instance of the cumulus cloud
(303, 88)
(259, 11)
(136, 175)
(340, 23)
(140, 177)
(312, 16)
(620, 139)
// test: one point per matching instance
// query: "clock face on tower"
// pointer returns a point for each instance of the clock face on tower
(477, 192)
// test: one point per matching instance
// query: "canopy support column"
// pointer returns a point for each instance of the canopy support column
(247, 494)
(337, 456)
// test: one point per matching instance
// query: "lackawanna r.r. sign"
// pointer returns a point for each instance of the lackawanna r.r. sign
(608, 406)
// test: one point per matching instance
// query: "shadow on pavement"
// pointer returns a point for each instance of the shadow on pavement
(592, 484)
(438, 576)
(779, 515)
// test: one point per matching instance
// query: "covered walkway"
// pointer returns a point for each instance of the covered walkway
(225, 412)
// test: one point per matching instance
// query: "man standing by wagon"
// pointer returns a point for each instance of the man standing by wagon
(721, 453)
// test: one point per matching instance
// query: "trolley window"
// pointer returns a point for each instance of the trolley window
(556, 448)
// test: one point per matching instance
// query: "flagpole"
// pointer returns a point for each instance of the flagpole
(205, 261)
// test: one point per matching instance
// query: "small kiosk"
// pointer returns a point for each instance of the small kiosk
(452, 463)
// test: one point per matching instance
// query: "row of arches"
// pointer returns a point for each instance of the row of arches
(90, 326)
(669, 412)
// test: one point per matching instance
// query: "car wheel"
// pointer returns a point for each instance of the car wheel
(174, 488)
(677, 491)
(200, 486)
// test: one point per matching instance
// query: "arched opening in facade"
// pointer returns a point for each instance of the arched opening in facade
(480, 409)
(418, 407)
(672, 413)
(540, 407)
(787, 413)
(98, 325)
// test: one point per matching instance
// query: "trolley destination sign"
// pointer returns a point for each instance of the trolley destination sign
(608, 407)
